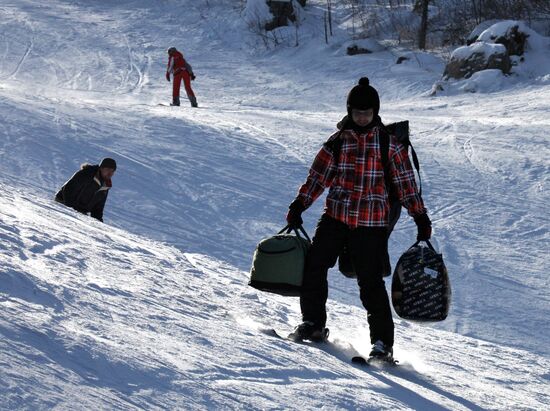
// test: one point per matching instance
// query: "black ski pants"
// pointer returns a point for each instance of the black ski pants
(367, 247)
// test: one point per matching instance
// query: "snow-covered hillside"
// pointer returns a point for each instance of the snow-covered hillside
(152, 310)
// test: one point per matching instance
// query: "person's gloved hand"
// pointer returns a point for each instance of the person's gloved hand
(424, 226)
(294, 215)
(168, 76)
(193, 77)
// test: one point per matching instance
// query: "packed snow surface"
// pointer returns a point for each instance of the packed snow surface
(151, 309)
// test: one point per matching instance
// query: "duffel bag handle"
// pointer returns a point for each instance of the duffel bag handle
(424, 241)
(288, 230)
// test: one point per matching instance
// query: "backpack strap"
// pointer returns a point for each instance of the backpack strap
(384, 142)
(417, 167)
(335, 145)
(395, 205)
(401, 132)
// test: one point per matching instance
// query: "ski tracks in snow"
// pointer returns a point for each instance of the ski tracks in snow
(130, 322)
(15, 27)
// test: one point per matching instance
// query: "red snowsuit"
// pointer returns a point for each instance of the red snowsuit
(181, 71)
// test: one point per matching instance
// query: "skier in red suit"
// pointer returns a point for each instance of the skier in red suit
(181, 71)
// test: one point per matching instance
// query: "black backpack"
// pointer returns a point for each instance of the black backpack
(401, 131)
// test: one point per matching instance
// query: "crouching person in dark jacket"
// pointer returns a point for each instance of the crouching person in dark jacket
(86, 191)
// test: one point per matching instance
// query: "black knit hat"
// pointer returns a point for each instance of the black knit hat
(363, 96)
(108, 163)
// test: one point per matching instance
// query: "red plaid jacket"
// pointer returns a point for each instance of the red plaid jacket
(358, 194)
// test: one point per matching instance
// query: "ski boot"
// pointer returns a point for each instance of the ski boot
(309, 331)
(381, 352)
(175, 102)
(193, 101)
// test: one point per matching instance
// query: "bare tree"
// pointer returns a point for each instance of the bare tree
(329, 12)
(423, 24)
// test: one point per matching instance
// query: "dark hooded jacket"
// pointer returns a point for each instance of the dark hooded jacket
(85, 191)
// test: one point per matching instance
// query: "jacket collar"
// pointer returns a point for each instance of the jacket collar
(103, 184)
(361, 130)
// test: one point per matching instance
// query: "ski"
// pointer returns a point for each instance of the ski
(292, 337)
(325, 344)
(375, 360)
(171, 105)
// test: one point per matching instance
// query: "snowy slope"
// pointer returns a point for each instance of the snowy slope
(137, 312)
(94, 317)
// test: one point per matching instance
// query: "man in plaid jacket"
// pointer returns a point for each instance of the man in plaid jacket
(356, 216)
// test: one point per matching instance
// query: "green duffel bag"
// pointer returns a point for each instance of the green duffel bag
(278, 263)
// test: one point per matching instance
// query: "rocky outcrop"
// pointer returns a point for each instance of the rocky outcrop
(511, 37)
(355, 49)
(479, 56)
(490, 49)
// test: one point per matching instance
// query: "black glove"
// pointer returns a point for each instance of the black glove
(168, 76)
(294, 215)
(424, 226)
(193, 77)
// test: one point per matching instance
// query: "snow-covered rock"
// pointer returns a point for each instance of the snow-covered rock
(363, 46)
(480, 28)
(467, 60)
(512, 34)
(509, 46)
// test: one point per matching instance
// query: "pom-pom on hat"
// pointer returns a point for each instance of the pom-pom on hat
(363, 96)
